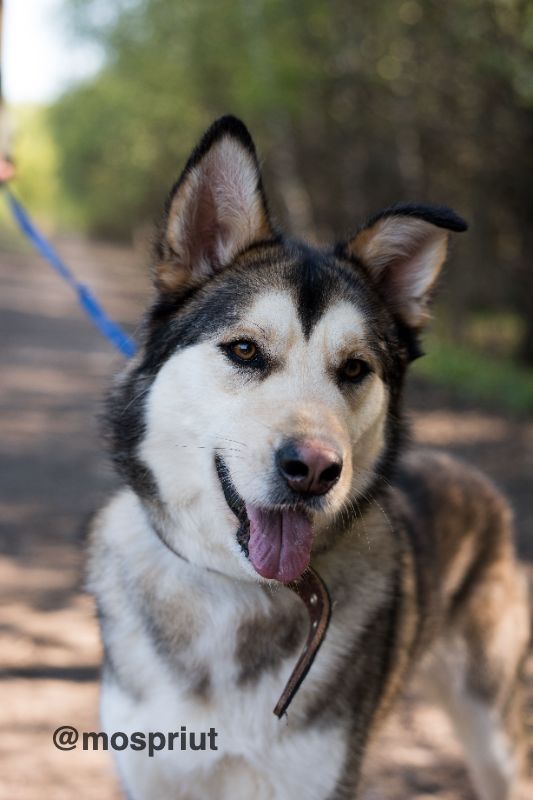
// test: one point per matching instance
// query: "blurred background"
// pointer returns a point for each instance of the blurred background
(353, 106)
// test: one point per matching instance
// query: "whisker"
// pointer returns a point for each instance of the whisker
(268, 427)
(227, 439)
(361, 515)
(134, 399)
(371, 499)
(205, 447)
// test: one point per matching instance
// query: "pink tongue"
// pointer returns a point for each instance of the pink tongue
(280, 543)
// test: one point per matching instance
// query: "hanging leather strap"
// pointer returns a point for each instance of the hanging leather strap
(312, 590)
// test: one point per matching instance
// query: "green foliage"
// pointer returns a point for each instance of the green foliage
(36, 157)
(366, 101)
(496, 381)
(354, 106)
(495, 333)
(37, 183)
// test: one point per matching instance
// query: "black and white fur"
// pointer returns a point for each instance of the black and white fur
(193, 634)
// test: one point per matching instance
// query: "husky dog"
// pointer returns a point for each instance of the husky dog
(260, 438)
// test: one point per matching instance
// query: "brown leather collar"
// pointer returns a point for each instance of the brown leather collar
(312, 590)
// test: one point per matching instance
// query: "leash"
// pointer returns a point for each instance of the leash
(88, 302)
(314, 594)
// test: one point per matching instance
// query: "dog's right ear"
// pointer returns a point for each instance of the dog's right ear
(216, 209)
(402, 249)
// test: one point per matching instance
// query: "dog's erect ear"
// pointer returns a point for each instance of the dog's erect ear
(403, 249)
(214, 211)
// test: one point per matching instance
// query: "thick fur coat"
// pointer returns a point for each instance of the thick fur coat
(259, 432)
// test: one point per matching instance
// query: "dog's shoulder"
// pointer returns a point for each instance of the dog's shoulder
(441, 487)
(458, 520)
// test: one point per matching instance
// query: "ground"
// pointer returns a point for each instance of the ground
(54, 369)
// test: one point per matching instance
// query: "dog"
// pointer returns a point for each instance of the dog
(273, 512)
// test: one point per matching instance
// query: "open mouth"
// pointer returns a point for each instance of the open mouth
(277, 541)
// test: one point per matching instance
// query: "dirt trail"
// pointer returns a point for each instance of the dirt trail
(54, 369)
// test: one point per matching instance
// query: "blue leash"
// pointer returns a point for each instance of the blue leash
(111, 330)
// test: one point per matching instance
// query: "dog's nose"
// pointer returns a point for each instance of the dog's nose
(309, 467)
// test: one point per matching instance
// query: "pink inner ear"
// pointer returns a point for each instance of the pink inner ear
(404, 255)
(419, 270)
(407, 280)
(216, 212)
(200, 228)
(407, 277)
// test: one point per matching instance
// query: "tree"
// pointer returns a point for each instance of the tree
(354, 106)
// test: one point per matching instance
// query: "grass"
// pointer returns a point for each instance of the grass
(495, 380)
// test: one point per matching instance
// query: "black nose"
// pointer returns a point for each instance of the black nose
(309, 467)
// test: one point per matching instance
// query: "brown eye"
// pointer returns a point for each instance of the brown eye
(354, 369)
(245, 354)
(244, 351)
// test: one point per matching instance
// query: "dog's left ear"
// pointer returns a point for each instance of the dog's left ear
(403, 249)
(215, 211)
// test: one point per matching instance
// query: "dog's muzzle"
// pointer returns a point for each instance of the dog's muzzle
(277, 540)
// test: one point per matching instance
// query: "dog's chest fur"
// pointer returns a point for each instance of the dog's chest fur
(206, 651)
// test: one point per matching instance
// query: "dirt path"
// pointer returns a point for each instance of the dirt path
(54, 369)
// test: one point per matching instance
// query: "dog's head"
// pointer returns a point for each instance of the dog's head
(265, 401)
